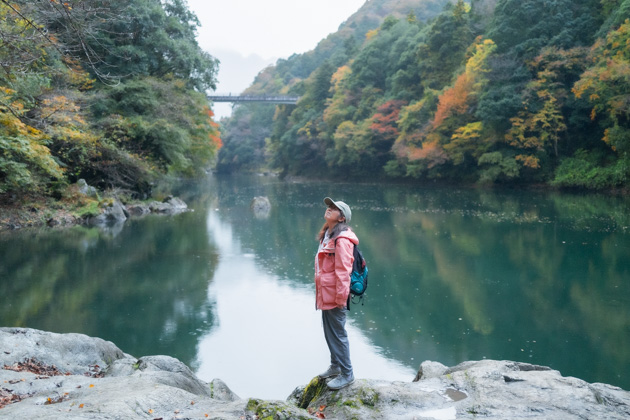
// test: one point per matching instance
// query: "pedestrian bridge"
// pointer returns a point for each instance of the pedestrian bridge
(270, 99)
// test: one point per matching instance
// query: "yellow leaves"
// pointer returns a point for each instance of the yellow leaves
(470, 131)
(455, 99)
(61, 110)
(342, 73)
(477, 63)
(371, 34)
(307, 130)
(528, 161)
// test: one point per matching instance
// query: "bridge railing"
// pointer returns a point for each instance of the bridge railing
(277, 99)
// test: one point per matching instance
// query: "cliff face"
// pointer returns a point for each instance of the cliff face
(64, 376)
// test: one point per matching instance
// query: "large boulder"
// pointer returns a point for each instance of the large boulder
(487, 389)
(114, 213)
(45, 375)
(170, 205)
(64, 376)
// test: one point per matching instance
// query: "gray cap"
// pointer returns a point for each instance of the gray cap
(345, 209)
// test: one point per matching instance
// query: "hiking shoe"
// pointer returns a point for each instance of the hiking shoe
(341, 381)
(332, 371)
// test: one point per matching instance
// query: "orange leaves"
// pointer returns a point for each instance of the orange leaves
(528, 161)
(430, 152)
(606, 83)
(319, 414)
(454, 100)
(216, 141)
(384, 122)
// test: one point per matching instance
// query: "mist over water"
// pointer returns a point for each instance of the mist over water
(455, 275)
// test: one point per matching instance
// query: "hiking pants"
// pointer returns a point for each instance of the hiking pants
(334, 321)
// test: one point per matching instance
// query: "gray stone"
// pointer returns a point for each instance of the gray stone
(86, 189)
(113, 214)
(171, 205)
(96, 380)
(261, 207)
(138, 209)
(429, 369)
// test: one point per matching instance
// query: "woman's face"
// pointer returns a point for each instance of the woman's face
(333, 216)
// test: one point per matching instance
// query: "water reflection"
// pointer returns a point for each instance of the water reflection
(464, 274)
(268, 337)
(144, 289)
(455, 275)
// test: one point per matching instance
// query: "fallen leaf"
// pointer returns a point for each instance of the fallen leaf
(80, 405)
(320, 415)
(91, 385)
(322, 407)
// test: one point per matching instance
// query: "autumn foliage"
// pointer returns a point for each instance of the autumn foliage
(69, 110)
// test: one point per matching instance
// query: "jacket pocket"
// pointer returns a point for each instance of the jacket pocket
(328, 289)
(328, 263)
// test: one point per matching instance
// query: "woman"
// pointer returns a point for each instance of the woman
(333, 265)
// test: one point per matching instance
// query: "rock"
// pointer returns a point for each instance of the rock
(114, 213)
(138, 209)
(430, 369)
(86, 189)
(62, 220)
(76, 376)
(486, 389)
(171, 205)
(261, 207)
(93, 379)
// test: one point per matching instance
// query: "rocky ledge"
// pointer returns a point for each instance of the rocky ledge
(73, 376)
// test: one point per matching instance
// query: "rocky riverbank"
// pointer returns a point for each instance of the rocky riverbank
(73, 376)
(84, 205)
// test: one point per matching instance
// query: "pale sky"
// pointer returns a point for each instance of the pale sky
(248, 35)
(269, 28)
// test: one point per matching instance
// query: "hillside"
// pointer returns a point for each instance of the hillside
(111, 92)
(245, 132)
(495, 91)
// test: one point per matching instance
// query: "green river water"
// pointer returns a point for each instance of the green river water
(455, 275)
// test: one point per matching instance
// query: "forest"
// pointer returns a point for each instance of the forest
(532, 92)
(108, 91)
(508, 92)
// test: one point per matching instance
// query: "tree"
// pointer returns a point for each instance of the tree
(607, 85)
(26, 163)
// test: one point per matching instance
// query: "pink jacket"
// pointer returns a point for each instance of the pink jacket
(333, 265)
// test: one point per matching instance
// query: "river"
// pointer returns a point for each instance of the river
(455, 275)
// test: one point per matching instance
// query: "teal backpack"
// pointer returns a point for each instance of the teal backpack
(359, 275)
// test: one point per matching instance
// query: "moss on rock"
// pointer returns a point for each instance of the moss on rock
(313, 391)
(275, 410)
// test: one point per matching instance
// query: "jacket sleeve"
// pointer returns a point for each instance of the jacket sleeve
(343, 267)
